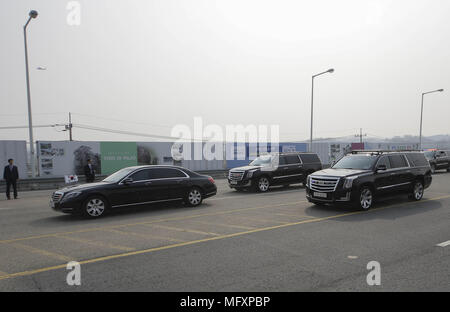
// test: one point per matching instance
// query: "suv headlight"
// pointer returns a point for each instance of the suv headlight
(308, 178)
(250, 173)
(348, 182)
(71, 195)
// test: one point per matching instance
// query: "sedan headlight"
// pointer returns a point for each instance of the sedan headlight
(71, 195)
(349, 182)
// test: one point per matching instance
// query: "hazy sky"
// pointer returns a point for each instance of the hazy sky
(155, 64)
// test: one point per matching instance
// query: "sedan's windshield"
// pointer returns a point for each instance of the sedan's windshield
(355, 162)
(265, 160)
(117, 176)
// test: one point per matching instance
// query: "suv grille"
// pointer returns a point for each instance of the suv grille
(56, 197)
(236, 175)
(325, 185)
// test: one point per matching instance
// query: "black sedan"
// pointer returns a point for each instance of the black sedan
(134, 186)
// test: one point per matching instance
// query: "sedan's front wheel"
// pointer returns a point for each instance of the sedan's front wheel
(194, 197)
(95, 207)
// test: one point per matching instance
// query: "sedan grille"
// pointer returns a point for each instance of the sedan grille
(236, 175)
(56, 197)
(322, 184)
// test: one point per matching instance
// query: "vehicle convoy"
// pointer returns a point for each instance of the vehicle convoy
(361, 176)
(438, 159)
(133, 186)
(274, 169)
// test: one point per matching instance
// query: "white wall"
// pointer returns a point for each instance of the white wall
(16, 150)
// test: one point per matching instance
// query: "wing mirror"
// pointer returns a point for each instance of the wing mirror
(128, 181)
(381, 168)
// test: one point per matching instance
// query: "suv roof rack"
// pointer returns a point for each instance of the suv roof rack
(377, 152)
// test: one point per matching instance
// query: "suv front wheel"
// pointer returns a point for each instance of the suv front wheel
(365, 198)
(263, 184)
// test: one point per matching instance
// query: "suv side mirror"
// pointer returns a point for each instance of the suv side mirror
(380, 168)
(128, 181)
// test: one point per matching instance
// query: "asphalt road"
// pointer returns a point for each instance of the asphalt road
(275, 241)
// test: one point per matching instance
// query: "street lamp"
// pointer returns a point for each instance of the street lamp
(421, 114)
(331, 70)
(32, 14)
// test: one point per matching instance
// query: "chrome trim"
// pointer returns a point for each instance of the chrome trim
(393, 185)
(327, 184)
(57, 196)
(148, 202)
(140, 169)
(290, 175)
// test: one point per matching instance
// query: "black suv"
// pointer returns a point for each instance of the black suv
(134, 186)
(438, 159)
(362, 175)
(274, 169)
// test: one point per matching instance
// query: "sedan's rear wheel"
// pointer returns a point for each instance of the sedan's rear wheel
(194, 197)
(95, 207)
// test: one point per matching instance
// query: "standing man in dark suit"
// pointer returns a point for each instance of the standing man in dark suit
(89, 172)
(11, 175)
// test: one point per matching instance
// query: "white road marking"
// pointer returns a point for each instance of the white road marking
(444, 244)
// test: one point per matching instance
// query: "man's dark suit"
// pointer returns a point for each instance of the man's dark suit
(90, 174)
(11, 177)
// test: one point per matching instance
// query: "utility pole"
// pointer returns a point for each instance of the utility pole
(360, 135)
(70, 127)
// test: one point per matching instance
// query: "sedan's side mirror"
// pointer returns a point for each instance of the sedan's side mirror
(128, 181)
(381, 168)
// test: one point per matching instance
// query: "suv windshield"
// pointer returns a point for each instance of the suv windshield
(265, 160)
(362, 162)
(117, 176)
(429, 155)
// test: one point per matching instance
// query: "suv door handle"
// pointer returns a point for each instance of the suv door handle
(148, 183)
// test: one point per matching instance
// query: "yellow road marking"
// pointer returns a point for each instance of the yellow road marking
(144, 251)
(145, 222)
(96, 243)
(3, 273)
(150, 236)
(263, 220)
(226, 225)
(291, 215)
(182, 229)
(42, 252)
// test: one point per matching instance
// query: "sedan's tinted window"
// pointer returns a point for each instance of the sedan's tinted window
(140, 175)
(164, 173)
(398, 161)
(292, 159)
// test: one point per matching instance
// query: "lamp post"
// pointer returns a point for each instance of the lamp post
(331, 70)
(421, 114)
(32, 14)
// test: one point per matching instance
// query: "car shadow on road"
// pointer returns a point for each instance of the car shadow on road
(159, 210)
(392, 208)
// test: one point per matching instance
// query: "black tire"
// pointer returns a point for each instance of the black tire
(262, 184)
(417, 191)
(95, 206)
(194, 197)
(364, 200)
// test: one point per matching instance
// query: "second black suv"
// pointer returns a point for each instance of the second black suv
(363, 175)
(438, 159)
(274, 169)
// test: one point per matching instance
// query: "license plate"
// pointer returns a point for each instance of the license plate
(321, 195)
(233, 182)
